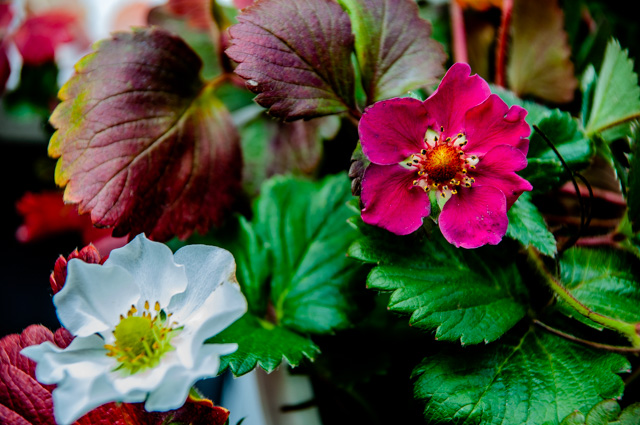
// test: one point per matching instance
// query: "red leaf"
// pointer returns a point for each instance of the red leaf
(297, 56)
(144, 145)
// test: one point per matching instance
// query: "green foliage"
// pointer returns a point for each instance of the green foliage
(607, 412)
(291, 265)
(261, 343)
(605, 281)
(544, 169)
(530, 379)
(616, 98)
(462, 295)
(527, 225)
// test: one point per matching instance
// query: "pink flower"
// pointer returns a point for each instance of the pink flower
(462, 146)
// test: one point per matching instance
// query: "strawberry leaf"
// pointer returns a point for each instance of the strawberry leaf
(527, 225)
(518, 380)
(144, 145)
(617, 96)
(297, 56)
(539, 63)
(393, 45)
(456, 293)
(607, 412)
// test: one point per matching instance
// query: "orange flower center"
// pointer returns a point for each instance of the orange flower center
(443, 163)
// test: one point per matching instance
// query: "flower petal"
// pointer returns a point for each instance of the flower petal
(391, 201)
(93, 297)
(80, 371)
(153, 269)
(497, 168)
(475, 217)
(493, 123)
(206, 267)
(393, 129)
(456, 94)
(220, 309)
(173, 393)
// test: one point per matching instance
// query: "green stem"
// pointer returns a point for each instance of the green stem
(629, 330)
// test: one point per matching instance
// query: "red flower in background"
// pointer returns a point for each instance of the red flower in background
(45, 214)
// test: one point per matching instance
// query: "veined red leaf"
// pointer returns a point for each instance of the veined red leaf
(539, 58)
(297, 56)
(394, 48)
(144, 145)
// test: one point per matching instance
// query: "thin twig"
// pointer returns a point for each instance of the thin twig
(614, 348)
(501, 49)
(458, 33)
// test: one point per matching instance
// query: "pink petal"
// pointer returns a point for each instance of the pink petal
(475, 217)
(456, 94)
(492, 123)
(497, 168)
(393, 129)
(391, 201)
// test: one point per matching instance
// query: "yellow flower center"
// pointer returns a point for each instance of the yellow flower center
(141, 340)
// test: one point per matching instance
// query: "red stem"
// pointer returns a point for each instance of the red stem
(458, 33)
(501, 53)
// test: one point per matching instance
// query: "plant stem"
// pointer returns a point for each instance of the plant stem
(458, 33)
(501, 49)
(614, 348)
(629, 330)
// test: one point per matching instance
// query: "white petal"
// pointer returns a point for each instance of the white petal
(175, 389)
(81, 372)
(220, 309)
(207, 267)
(84, 358)
(153, 269)
(93, 297)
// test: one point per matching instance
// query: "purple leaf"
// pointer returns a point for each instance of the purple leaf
(394, 48)
(297, 56)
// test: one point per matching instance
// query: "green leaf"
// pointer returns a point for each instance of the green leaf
(394, 48)
(529, 379)
(605, 281)
(535, 111)
(305, 225)
(261, 343)
(539, 58)
(299, 66)
(461, 295)
(527, 225)
(544, 170)
(292, 266)
(607, 412)
(617, 95)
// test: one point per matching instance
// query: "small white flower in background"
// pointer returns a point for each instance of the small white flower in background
(140, 320)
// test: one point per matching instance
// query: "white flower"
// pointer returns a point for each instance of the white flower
(140, 322)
